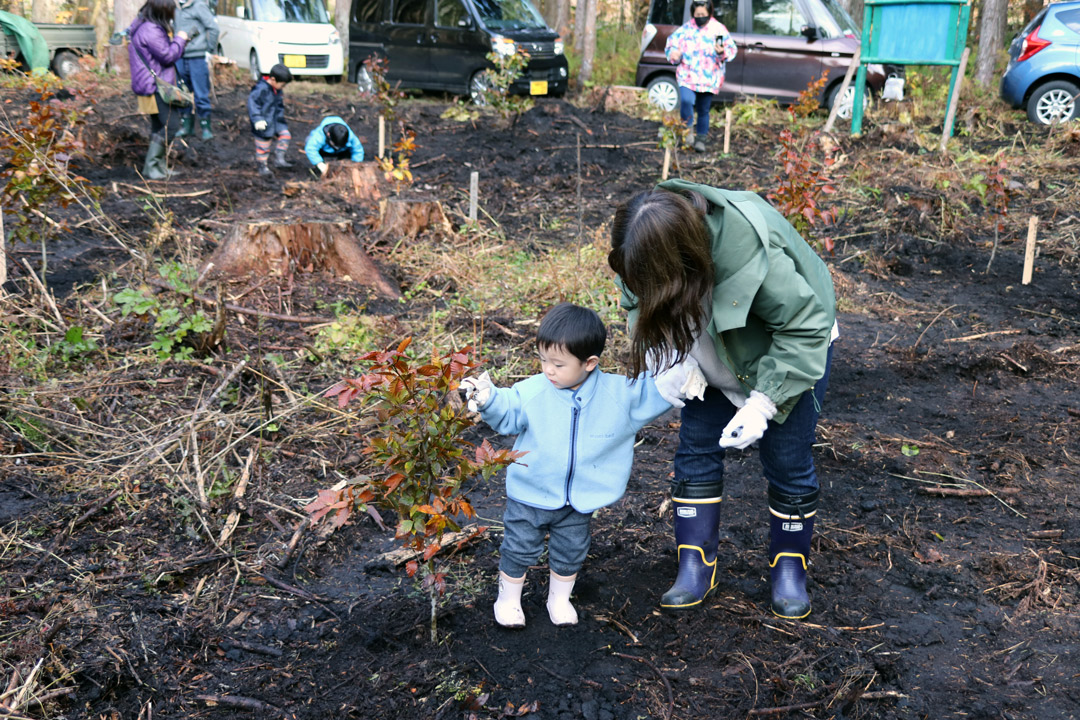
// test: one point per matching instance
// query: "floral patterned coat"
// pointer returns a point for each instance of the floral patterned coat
(701, 68)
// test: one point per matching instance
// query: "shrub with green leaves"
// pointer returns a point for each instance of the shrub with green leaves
(174, 322)
(505, 70)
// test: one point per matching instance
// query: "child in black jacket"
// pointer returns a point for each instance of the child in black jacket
(266, 109)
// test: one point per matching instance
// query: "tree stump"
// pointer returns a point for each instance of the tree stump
(289, 248)
(361, 183)
(407, 218)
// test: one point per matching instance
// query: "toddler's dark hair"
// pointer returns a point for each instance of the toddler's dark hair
(338, 135)
(280, 73)
(579, 330)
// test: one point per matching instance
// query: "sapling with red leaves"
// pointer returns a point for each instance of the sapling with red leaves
(802, 183)
(996, 198)
(425, 462)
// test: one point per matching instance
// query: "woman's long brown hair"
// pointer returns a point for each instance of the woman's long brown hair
(660, 248)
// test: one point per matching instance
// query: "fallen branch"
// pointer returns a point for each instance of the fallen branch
(241, 703)
(254, 647)
(979, 336)
(943, 491)
(95, 509)
(301, 319)
(667, 685)
(148, 191)
(875, 695)
(404, 555)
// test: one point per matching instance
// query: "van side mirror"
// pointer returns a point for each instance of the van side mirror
(809, 32)
(241, 12)
(464, 23)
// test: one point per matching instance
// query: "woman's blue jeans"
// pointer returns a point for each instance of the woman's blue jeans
(699, 102)
(196, 75)
(785, 449)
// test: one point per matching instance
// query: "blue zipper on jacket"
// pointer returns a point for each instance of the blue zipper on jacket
(574, 413)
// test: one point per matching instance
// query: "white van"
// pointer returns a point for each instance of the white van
(299, 34)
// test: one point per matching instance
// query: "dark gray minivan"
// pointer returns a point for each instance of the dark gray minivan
(442, 44)
(783, 45)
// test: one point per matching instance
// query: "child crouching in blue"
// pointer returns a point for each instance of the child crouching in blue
(577, 425)
(332, 139)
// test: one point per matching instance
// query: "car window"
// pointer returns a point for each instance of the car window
(831, 19)
(727, 12)
(448, 13)
(666, 12)
(409, 12)
(509, 14)
(777, 17)
(1070, 19)
(301, 11)
(367, 11)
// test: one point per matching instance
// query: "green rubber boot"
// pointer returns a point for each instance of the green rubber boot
(204, 123)
(187, 125)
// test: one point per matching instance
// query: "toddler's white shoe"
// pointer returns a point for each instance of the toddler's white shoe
(559, 608)
(508, 612)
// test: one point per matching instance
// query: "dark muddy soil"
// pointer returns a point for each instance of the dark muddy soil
(946, 378)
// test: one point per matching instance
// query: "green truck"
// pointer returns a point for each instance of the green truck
(45, 45)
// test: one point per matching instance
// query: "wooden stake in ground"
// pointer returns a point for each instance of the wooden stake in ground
(843, 89)
(667, 164)
(727, 131)
(474, 194)
(3, 254)
(1029, 251)
(946, 132)
(382, 136)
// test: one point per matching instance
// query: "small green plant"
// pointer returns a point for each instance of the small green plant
(376, 87)
(173, 323)
(460, 112)
(909, 450)
(420, 447)
(74, 344)
(349, 335)
(395, 166)
(505, 70)
(673, 132)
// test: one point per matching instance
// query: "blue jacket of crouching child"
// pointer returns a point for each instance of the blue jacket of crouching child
(316, 141)
(580, 443)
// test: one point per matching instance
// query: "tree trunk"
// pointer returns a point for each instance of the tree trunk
(581, 12)
(288, 248)
(124, 12)
(562, 19)
(588, 52)
(991, 40)
(43, 11)
(341, 22)
(99, 18)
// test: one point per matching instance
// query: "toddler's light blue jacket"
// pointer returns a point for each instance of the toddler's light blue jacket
(580, 443)
(316, 141)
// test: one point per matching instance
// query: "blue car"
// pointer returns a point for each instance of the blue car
(1043, 76)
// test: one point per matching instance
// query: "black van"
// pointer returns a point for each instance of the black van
(442, 44)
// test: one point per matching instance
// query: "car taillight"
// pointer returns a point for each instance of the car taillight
(1032, 44)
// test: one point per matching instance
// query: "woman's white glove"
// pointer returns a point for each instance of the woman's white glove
(749, 424)
(260, 125)
(477, 391)
(323, 167)
(681, 380)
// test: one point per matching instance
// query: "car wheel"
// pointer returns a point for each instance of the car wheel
(479, 87)
(253, 61)
(1053, 102)
(848, 101)
(66, 64)
(663, 92)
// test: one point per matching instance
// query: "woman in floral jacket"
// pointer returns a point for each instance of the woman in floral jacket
(699, 49)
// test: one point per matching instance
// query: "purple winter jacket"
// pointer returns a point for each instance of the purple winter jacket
(160, 52)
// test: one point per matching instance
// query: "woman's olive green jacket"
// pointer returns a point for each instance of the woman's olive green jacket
(773, 306)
